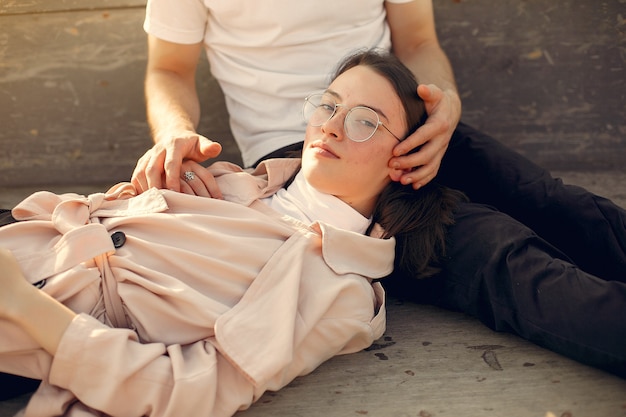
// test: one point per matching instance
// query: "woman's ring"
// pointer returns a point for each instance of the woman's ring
(189, 175)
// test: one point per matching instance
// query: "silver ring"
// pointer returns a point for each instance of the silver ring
(189, 175)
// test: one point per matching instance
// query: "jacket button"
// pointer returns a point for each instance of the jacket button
(40, 284)
(118, 238)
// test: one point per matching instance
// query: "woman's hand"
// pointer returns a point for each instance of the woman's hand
(444, 112)
(197, 180)
(161, 166)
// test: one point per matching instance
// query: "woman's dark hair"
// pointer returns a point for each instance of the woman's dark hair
(418, 219)
(402, 80)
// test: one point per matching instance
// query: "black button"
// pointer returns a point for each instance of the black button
(40, 284)
(118, 238)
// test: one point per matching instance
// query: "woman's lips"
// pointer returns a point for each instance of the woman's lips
(323, 149)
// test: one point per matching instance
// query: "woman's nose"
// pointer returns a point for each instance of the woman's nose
(335, 125)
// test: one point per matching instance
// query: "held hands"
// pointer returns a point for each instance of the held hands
(162, 165)
(444, 112)
(197, 180)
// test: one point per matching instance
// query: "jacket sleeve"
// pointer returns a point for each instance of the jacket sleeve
(109, 370)
(295, 315)
(298, 314)
(338, 332)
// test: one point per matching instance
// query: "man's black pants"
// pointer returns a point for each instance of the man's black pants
(531, 255)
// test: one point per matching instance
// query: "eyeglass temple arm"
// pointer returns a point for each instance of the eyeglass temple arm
(386, 128)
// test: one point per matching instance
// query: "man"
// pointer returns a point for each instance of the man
(173, 108)
(552, 269)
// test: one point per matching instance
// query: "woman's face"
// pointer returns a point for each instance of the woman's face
(355, 172)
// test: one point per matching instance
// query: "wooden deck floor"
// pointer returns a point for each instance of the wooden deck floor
(437, 363)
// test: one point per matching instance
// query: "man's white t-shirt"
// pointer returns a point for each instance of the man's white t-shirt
(268, 55)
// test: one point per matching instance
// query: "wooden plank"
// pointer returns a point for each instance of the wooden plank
(72, 97)
(68, 102)
(433, 362)
(12, 7)
(547, 78)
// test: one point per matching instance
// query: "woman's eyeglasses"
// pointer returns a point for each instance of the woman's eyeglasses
(360, 123)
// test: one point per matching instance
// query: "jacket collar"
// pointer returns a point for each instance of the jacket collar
(349, 252)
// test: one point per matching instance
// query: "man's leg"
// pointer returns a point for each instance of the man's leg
(590, 229)
(538, 272)
(6, 217)
(511, 279)
(501, 272)
(14, 386)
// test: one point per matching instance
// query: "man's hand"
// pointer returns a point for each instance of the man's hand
(444, 112)
(161, 166)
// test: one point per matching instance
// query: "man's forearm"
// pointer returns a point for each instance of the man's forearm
(431, 66)
(172, 104)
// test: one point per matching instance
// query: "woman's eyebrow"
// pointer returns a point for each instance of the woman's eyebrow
(333, 93)
(337, 96)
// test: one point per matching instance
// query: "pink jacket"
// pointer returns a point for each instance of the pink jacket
(203, 305)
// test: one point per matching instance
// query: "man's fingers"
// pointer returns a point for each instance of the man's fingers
(420, 176)
(432, 138)
(138, 178)
(423, 137)
(161, 166)
(424, 163)
(172, 167)
(429, 93)
(208, 149)
(422, 166)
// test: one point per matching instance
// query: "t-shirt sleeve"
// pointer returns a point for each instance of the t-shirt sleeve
(178, 21)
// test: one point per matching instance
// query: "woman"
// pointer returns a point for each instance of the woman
(165, 303)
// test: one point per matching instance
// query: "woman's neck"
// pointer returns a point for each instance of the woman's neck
(303, 202)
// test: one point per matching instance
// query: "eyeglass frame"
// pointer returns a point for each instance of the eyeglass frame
(380, 123)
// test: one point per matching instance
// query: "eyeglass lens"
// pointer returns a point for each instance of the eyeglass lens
(360, 122)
